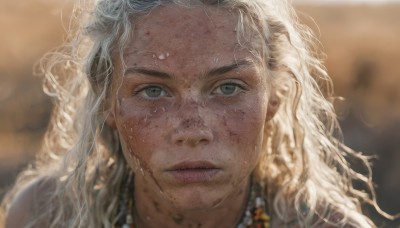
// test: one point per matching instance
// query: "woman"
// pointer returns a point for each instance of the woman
(177, 113)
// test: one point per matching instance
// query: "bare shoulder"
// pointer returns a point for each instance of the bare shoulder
(29, 202)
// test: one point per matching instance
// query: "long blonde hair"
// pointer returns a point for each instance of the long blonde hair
(303, 166)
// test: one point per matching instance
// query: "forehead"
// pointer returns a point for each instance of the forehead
(200, 31)
(175, 23)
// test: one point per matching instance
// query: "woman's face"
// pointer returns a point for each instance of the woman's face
(190, 107)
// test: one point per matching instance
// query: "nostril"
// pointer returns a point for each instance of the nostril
(192, 137)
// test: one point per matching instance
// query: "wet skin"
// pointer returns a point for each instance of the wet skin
(190, 108)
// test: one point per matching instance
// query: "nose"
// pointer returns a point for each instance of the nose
(191, 129)
(192, 132)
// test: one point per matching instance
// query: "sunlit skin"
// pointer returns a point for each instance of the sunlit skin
(188, 94)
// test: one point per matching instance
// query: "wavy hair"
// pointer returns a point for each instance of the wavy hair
(303, 166)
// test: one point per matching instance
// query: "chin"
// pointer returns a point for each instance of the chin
(197, 198)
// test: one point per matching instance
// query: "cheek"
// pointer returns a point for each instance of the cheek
(244, 126)
(243, 129)
(139, 128)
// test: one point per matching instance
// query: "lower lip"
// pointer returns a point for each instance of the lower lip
(192, 176)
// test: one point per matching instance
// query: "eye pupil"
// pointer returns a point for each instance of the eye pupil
(153, 91)
(228, 89)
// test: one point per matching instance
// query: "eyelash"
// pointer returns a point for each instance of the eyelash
(143, 89)
(239, 87)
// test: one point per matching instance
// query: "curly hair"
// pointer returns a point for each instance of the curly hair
(303, 164)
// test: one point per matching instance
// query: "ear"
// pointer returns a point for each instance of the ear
(273, 106)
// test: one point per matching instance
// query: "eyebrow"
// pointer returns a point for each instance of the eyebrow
(228, 68)
(146, 71)
(213, 72)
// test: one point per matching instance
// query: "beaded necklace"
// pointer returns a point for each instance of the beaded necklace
(255, 215)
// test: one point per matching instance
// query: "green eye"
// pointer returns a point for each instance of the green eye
(227, 89)
(153, 92)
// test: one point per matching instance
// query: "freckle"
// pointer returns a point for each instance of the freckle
(147, 33)
(156, 206)
(178, 219)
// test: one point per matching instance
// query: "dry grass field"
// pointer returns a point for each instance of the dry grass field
(356, 39)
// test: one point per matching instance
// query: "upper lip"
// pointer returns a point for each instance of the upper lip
(192, 165)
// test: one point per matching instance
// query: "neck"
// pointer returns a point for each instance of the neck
(153, 211)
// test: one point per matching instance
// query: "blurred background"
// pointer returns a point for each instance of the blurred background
(360, 38)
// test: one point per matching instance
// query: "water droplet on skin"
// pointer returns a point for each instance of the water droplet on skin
(154, 56)
(161, 57)
(167, 54)
(131, 130)
(163, 109)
